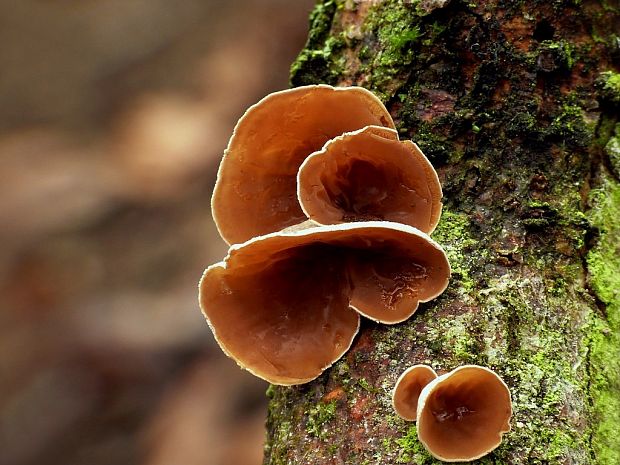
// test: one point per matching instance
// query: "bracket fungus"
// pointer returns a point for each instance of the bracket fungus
(408, 388)
(286, 305)
(369, 174)
(255, 192)
(463, 414)
(286, 301)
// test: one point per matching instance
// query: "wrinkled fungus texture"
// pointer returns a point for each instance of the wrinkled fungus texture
(284, 305)
(370, 175)
(256, 188)
(463, 414)
(408, 389)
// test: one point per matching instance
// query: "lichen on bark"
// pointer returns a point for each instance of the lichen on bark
(508, 102)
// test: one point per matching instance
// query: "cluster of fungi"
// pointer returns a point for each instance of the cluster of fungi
(328, 215)
(461, 415)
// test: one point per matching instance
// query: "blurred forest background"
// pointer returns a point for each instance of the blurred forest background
(113, 117)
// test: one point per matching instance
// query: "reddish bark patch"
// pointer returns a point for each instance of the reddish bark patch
(349, 22)
(455, 308)
(359, 409)
(501, 93)
(519, 32)
(352, 18)
(335, 394)
(364, 343)
(580, 76)
(434, 103)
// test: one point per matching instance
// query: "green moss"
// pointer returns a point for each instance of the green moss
(542, 383)
(321, 19)
(397, 41)
(612, 148)
(610, 6)
(557, 443)
(333, 449)
(319, 61)
(398, 31)
(570, 125)
(611, 85)
(435, 30)
(605, 130)
(318, 416)
(604, 267)
(522, 123)
(435, 146)
(563, 213)
(275, 447)
(411, 449)
(453, 233)
(319, 65)
(363, 382)
(463, 346)
(559, 55)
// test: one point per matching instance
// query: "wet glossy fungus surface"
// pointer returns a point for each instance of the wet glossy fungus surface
(465, 414)
(256, 191)
(370, 175)
(287, 319)
(280, 305)
(408, 389)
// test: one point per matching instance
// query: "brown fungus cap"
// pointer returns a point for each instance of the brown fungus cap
(463, 414)
(408, 388)
(370, 175)
(256, 190)
(283, 305)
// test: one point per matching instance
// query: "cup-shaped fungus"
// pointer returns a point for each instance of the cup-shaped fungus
(463, 414)
(284, 305)
(255, 192)
(370, 175)
(408, 389)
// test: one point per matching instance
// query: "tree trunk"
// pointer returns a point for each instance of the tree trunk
(515, 103)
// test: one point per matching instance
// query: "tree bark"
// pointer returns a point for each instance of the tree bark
(516, 105)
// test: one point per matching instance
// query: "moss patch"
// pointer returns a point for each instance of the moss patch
(604, 268)
(318, 62)
(396, 32)
(318, 416)
(453, 233)
(612, 148)
(411, 450)
(611, 86)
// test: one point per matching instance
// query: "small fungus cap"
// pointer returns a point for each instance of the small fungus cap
(408, 389)
(463, 414)
(255, 192)
(284, 305)
(369, 174)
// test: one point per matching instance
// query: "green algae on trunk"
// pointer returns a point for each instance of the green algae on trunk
(604, 267)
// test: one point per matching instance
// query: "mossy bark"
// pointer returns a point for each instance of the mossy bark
(516, 103)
